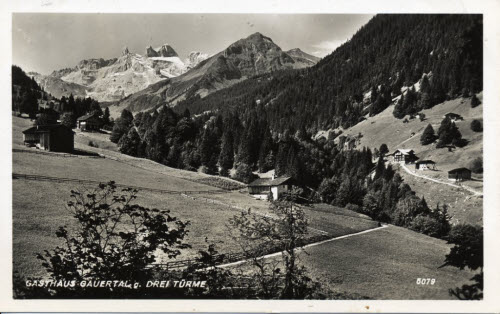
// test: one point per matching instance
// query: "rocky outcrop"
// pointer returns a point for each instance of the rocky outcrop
(150, 52)
(194, 58)
(167, 51)
(95, 64)
(125, 51)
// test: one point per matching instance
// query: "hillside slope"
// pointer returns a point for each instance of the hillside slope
(387, 54)
(58, 87)
(384, 128)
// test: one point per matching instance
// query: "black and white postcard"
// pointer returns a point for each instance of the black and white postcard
(198, 157)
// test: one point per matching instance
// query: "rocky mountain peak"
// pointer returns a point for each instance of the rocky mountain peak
(167, 51)
(125, 51)
(150, 52)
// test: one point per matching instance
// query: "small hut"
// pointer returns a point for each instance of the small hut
(459, 174)
(425, 165)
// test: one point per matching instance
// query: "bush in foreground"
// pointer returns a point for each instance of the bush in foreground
(468, 252)
(476, 126)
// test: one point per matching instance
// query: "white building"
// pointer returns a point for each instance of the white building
(263, 187)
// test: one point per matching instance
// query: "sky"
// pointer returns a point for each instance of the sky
(44, 42)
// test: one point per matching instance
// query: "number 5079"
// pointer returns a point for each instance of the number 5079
(426, 281)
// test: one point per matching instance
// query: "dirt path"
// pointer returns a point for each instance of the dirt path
(441, 182)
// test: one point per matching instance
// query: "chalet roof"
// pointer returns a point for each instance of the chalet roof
(426, 161)
(457, 170)
(269, 181)
(45, 128)
(87, 117)
(404, 151)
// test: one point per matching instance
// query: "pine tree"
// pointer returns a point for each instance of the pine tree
(474, 101)
(244, 149)
(68, 119)
(428, 136)
(380, 168)
(226, 156)
(129, 143)
(121, 126)
(383, 149)
(106, 116)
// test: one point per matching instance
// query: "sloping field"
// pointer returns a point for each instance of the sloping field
(462, 205)
(334, 220)
(384, 128)
(39, 209)
(99, 169)
(385, 264)
(38, 206)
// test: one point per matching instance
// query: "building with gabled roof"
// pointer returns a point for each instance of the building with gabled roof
(52, 137)
(426, 164)
(405, 156)
(262, 188)
(459, 174)
(89, 122)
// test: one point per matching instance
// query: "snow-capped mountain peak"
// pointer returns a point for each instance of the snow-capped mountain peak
(114, 79)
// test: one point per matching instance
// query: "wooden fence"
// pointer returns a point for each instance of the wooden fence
(80, 181)
(58, 154)
(226, 258)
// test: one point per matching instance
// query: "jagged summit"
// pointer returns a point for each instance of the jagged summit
(125, 51)
(164, 51)
(167, 51)
(150, 52)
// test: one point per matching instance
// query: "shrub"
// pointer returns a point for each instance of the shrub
(476, 126)
(427, 225)
(428, 136)
(474, 102)
(407, 209)
(476, 165)
(353, 207)
(113, 239)
(468, 252)
(244, 173)
(93, 144)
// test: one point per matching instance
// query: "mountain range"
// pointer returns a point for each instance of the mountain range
(160, 76)
(247, 57)
(114, 79)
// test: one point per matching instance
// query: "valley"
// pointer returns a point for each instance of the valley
(46, 201)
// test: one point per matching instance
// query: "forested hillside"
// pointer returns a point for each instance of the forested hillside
(25, 92)
(363, 76)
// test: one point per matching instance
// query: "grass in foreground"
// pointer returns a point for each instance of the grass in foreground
(385, 264)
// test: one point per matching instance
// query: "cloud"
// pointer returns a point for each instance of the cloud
(327, 46)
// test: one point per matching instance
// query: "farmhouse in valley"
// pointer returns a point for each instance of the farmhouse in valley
(459, 174)
(89, 122)
(53, 137)
(404, 156)
(425, 165)
(262, 188)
